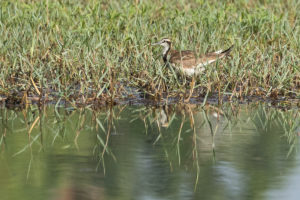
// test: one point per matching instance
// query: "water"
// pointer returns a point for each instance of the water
(138, 152)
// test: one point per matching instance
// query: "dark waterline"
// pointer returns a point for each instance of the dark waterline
(143, 152)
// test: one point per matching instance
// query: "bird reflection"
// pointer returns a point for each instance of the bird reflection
(163, 117)
(189, 125)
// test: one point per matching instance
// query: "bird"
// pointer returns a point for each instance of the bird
(186, 61)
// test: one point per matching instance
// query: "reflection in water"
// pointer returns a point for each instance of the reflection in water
(163, 152)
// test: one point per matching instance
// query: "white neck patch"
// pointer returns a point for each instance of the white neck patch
(166, 48)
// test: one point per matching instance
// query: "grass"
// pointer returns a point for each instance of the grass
(93, 50)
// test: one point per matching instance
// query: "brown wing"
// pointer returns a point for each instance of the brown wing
(208, 58)
(189, 60)
(211, 57)
(184, 58)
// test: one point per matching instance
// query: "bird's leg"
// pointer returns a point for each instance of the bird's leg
(192, 85)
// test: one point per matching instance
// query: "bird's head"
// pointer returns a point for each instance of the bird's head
(165, 42)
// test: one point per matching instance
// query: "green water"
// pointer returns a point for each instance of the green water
(139, 152)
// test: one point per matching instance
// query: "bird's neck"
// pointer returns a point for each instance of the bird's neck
(165, 52)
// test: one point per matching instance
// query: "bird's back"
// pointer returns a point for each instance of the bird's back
(188, 58)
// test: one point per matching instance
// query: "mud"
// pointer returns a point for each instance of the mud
(20, 100)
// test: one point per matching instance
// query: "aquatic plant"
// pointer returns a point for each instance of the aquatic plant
(91, 51)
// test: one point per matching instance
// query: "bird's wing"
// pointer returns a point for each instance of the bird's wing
(186, 58)
(189, 59)
(213, 56)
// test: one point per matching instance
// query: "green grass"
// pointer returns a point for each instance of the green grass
(74, 49)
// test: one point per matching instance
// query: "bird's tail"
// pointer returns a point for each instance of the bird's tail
(227, 51)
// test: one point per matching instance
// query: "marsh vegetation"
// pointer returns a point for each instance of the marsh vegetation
(66, 64)
(99, 51)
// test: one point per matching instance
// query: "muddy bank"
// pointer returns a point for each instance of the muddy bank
(20, 100)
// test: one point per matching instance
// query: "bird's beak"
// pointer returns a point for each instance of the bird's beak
(154, 44)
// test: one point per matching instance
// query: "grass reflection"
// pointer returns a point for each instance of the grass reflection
(129, 141)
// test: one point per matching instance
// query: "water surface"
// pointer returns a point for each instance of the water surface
(142, 152)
